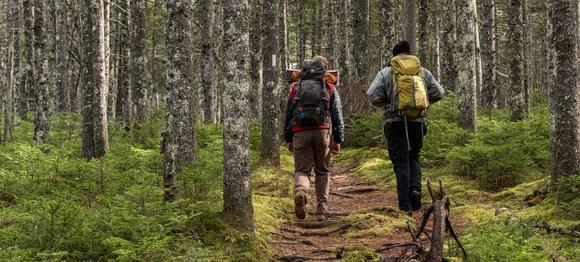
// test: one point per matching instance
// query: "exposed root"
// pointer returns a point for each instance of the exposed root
(315, 224)
(341, 195)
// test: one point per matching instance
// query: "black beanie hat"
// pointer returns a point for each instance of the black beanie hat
(402, 47)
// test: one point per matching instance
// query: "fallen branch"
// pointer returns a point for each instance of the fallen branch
(326, 233)
(561, 231)
(293, 242)
(351, 189)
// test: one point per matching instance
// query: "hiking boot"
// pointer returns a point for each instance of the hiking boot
(415, 200)
(299, 204)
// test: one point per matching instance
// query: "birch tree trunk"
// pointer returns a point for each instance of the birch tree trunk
(269, 148)
(517, 96)
(448, 63)
(238, 207)
(255, 55)
(410, 25)
(139, 77)
(564, 94)
(95, 90)
(179, 142)
(205, 8)
(359, 40)
(387, 26)
(488, 42)
(466, 80)
(42, 89)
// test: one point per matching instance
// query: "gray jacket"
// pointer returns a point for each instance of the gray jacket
(380, 92)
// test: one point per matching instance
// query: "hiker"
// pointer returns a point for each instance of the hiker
(405, 90)
(313, 114)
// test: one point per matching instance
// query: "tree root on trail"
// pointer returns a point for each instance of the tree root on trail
(342, 228)
(349, 169)
(293, 242)
(292, 258)
(341, 195)
(352, 189)
(315, 224)
(332, 214)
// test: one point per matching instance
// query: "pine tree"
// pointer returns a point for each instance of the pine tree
(124, 100)
(517, 102)
(139, 77)
(30, 67)
(488, 42)
(205, 8)
(179, 142)
(448, 44)
(41, 87)
(387, 25)
(269, 148)
(238, 207)
(359, 39)
(255, 55)
(300, 36)
(565, 106)
(95, 89)
(410, 24)
(466, 79)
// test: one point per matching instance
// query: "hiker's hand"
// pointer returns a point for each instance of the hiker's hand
(335, 149)
(290, 147)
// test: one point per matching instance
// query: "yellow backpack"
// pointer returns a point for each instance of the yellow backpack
(409, 86)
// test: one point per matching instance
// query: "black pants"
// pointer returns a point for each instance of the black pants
(405, 160)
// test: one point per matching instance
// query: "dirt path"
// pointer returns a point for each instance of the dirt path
(349, 204)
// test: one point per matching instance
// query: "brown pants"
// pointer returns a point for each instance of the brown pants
(311, 148)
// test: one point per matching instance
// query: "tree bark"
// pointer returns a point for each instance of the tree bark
(564, 94)
(255, 55)
(124, 95)
(448, 64)
(8, 62)
(179, 142)
(42, 90)
(342, 60)
(423, 33)
(410, 24)
(269, 148)
(387, 25)
(359, 39)
(95, 90)
(205, 8)
(300, 36)
(238, 207)
(28, 94)
(139, 77)
(526, 51)
(517, 102)
(329, 16)
(466, 80)
(488, 42)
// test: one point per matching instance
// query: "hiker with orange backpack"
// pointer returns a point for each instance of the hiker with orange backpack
(313, 116)
(405, 90)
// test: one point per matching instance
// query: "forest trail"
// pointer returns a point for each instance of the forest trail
(353, 207)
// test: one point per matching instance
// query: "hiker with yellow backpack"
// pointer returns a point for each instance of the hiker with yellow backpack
(405, 90)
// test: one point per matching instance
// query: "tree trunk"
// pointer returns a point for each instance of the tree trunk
(139, 77)
(238, 207)
(329, 16)
(341, 42)
(123, 100)
(95, 90)
(488, 42)
(300, 36)
(410, 25)
(387, 26)
(526, 51)
(423, 34)
(205, 8)
(42, 90)
(565, 126)
(28, 94)
(466, 79)
(448, 64)
(359, 40)
(179, 142)
(269, 148)
(477, 47)
(255, 55)
(19, 91)
(517, 102)
(9, 58)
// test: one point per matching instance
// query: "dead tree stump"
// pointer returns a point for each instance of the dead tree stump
(441, 223)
